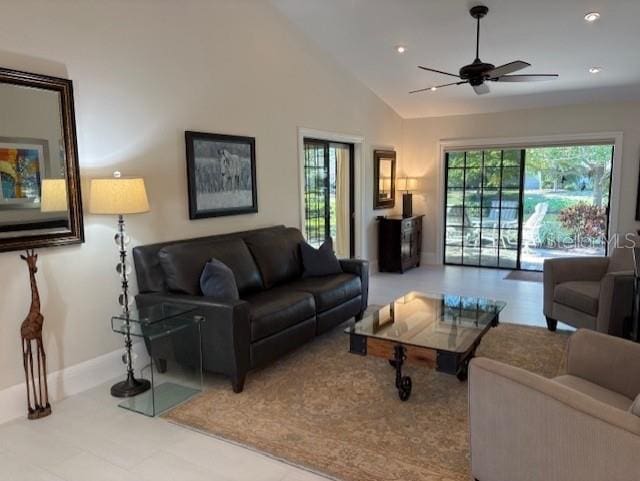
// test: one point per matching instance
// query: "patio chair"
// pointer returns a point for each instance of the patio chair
(503, 214)
(531, 228)
(455, 234)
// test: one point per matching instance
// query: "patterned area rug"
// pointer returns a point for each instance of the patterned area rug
(339, 414)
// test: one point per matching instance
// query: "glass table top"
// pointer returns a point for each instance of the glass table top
(436, 321)
(156, 320)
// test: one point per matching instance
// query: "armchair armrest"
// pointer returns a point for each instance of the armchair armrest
(616, 299)
(226, 333)
(359, 268)
(607, 361)
(556, 271)
(524, 427)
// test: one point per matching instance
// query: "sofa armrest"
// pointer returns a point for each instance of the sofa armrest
(359, 268)
(607, 361)
(524, 427)
(226, 332)
(556, 271)
(616, 299)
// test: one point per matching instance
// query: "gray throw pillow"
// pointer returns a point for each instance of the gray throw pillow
(218, 282)
(635, 407)
(321, 261)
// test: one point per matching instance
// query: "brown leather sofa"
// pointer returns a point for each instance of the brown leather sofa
(278, 309)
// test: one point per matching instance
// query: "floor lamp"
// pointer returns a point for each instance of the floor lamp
(122, 196)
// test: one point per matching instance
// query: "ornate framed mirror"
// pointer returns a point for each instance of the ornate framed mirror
(40, 201)
(384, 179)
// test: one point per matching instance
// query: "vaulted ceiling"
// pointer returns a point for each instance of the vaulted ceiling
(552, 35)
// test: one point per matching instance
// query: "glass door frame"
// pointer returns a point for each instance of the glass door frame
(608, 138)
(326, 144)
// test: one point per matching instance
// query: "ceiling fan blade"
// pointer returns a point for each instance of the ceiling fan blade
(438, 87)
(508, 68)
(438, 71)
(481, 89)
(526, 78)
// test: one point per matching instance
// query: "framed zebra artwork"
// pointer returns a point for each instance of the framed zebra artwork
(221, 173)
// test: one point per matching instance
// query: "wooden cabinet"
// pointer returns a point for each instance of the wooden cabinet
(399, 243)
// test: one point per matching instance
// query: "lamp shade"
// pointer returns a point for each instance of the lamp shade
(407, 184)
(118, 196)
(53, 195)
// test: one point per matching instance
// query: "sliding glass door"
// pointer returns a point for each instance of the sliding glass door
(513, 208)
(482, 209)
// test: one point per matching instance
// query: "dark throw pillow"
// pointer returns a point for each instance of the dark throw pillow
(218, 282)
(321, 261)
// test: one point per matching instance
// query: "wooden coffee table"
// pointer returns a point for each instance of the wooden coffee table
(437, 330)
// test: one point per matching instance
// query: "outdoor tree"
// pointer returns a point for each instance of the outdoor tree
(558, 165)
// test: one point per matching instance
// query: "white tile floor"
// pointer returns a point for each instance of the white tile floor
(88, 438)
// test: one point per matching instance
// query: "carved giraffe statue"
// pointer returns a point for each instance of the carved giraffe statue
(31, 330)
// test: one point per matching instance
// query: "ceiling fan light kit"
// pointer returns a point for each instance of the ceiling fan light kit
(478, 73)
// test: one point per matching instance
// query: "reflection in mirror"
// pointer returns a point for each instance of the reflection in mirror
(39, 186)
(384, 164)
(385, 179)
(31, 155)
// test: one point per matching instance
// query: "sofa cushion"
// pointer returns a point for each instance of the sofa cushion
(218, 282)
(580, 295)
(330, 291)
(276, 309)
(277, 255)
(595, 391)
(182, 265)
(635, 407)
(321, 261)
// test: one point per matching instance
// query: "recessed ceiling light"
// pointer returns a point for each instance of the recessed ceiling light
(595, 70)
(401, 49)
(592, 17)
(433, 89)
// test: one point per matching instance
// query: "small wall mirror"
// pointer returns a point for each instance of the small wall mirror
(40, 203)
(384, 183)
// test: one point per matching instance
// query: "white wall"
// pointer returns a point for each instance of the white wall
(145, 71)
(421, 154)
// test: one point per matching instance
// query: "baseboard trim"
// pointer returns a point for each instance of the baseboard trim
(69, 381)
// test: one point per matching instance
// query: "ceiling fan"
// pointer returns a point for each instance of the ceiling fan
(478, 73)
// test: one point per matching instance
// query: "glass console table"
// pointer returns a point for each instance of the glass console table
(172, 335)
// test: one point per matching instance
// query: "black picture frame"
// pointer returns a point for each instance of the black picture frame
(214, 180)
(380, 200)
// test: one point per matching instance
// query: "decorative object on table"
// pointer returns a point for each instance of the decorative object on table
(321, 261)
(37, 144)
(221, 173)
(119, 196)
(384, 175)
(399, 243)
(407, 185)
(31, 332)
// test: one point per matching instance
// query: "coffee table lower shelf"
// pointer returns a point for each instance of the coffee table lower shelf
(398, 353)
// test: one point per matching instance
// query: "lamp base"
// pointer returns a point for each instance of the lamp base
(130, 387)
(407, 204)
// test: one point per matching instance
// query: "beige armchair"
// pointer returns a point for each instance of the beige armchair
(583, 425)
(589, 292)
